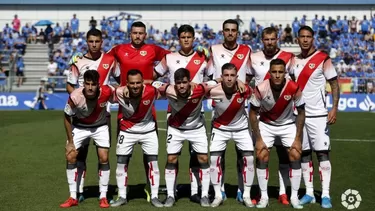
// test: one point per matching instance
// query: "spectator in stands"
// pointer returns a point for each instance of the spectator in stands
(315, 24)
(57, 33)
(20, 45)
(52, 67)
(41, 36)
(104, 25)
(353, 25)
(253, 28)
(365, 25)
(74, 24)
(295, 27)
(26, 32)
(20, 67)
(287, 36)
(92, 22)
(67, 31)
(239, 21)
(158, 36)
(303, 20)
(48, 32)
(7, 29)
(323, 28)
(341, 68)
(16, 23)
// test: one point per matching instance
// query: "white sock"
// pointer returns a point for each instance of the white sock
(295, 181)
(193, 182)
(205, 180)
(104, 173)
(307, 174)
(325, 170)
(122, 179)
(71, 175)
(283, 176)
(216, 174)
(263, 182)
(170, 178)
(82, 182)
(248, 175)
(154, 178)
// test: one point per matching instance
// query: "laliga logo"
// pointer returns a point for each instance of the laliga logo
(351, 199)
(367, 104)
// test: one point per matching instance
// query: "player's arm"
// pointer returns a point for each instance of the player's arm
(115, 71)
(162, 88)
(68, 113)
(331, 75)
(72, 79)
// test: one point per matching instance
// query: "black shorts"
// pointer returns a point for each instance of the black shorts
(19, 73)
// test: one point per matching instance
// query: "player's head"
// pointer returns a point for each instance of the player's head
(91, 84)
(138, 33)
(230, 30)
(305, 37)
(186, 37)
(135, 82)
(277, 72)
(94, 40)
(182, 82)
(270, 39)
(229, 75)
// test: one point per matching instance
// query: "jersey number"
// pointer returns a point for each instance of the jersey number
(121, 139)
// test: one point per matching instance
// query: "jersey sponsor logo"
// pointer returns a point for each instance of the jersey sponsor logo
(105, 66)
(143, 53)
(146, 102)
(287, 97)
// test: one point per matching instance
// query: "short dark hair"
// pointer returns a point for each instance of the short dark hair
(186, 28)
(91, 75)
(94, 32)
(231, 21)
(138, 24)
(277, 62)
(269, 30)
(228, 66)
(181, 73)
(133, 72)
(307, 28)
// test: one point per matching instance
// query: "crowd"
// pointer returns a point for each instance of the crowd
(350, 43)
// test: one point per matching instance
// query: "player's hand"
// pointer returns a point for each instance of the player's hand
(193, 85)
(202, 50)
(332, 116)
(297, 145)
(75, 57)
(70, 151)
(260, 145)
(241, 86)
(126, 92)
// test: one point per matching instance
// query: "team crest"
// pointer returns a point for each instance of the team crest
(103, 104)
(105, 66)
(287, 97)
(311, 65)
(146, 102)
(239, 100)
(240, 56)
(195, 100)
(197, 62)
(143, 53)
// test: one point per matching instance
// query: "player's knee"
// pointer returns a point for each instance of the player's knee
(172, 159)
(216, 157)
(71, 166)
(81, 164)
(322, 156)
(295, 164)
(171, 166)
(294, 155)
(123, 159)
(263, 155)
(261, 164)
(202, 158)
(306, 156)
(104, 167)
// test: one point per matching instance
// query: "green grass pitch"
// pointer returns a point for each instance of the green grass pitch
(32, 175)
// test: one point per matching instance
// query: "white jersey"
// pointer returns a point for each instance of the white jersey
(185, 113)
(240, 57)
(105, 65)
(230, 114)
(260, 64)
(137, 115)
(86, 113)
(311, 74)
(195, 63)
(277, 111)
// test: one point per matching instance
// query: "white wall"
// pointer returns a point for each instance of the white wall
(163, 17)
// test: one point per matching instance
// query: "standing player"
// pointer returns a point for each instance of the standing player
(260, 65)
(185, 122)
(87, 107)
(239, 55)
(312, 70)
(137, 125)
(230, 122)
(274, 99)
(105, 64)
(196, 64)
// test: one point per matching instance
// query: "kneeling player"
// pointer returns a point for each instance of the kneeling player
(274, 98)
(230, 122)
(137, 125)
(87, 106)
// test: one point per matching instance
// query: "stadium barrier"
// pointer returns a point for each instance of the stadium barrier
(57, 101)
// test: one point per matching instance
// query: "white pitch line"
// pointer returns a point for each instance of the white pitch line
(333, 139)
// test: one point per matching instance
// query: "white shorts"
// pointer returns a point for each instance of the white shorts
(316, 134)
(148, 141)
(286, 133)
(196, 137)
(100, 135)
(219, 140)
